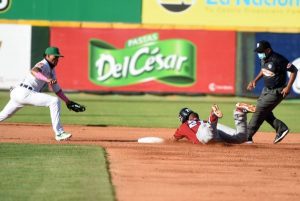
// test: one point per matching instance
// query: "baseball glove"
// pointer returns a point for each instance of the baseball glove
(76, 107)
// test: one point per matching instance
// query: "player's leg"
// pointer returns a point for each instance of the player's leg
(223, 133)
(10, 108)
(213, 119)
(240, 120)
(215, 114)
(216, 111)
(45, 100)
(238, 135)
(268, 100)
(281, 128)
(225, 130)
(13, 105)
(277, 124)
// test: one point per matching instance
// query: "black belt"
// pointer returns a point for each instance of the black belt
(272, 88)
(26, 86)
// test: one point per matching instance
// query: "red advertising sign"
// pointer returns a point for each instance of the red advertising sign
(146, 60)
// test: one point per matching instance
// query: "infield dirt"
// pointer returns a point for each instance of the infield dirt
(180, 171)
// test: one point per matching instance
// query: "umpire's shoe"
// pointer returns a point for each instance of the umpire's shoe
(281, 135)
(249, 141)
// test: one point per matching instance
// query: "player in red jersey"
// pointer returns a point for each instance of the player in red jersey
(203, 131)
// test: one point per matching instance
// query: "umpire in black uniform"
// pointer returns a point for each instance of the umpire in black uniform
(274, 69)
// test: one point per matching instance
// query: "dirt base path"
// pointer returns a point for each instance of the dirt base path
(182, 171)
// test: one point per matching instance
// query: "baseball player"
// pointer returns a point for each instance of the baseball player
(28, 92)
(274, 69)
(201, 131)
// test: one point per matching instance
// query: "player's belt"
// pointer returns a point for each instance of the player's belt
(26, 86)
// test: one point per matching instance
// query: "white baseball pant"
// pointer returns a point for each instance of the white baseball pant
(20, 96)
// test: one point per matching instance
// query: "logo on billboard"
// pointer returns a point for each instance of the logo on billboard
(296, 85)
(176, 5)
(144, 58)
(4, 5)
(217, 87)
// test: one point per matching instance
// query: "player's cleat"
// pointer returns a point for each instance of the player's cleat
(216, 110)
(63, 136)
(245, 107)
(280, 136)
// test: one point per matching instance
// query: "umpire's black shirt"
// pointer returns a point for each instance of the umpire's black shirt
(275, 68)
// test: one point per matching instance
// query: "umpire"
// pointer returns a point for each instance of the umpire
(274, 69)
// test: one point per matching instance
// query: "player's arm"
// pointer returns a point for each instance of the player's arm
(62, 96)
(71, 105)
(184, 131)
(293, 70)
(37, 72)
(252, 84)
(177, 136)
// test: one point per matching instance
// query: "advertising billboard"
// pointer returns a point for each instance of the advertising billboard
(72, 10)
(146, 60)
(224, 14)
(15, 53)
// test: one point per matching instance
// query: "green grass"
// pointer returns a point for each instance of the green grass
(54, 173)
(147, 110)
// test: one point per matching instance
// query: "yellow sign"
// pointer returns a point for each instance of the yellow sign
(228, 14)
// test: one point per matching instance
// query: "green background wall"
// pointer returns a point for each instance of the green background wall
(75, 10)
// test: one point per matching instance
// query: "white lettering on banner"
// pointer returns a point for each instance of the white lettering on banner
(215, 87)
(143, 40)
(256, 3)
(108, 67)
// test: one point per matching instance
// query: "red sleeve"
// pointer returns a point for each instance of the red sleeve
(184, 131)
(178, 134)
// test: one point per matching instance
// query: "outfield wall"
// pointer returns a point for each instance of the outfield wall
(239, 15)
(146, 60)
(126, 11)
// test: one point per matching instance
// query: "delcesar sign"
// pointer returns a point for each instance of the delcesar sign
(145, 58)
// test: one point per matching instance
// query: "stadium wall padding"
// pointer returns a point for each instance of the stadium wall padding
(40, 41)
(125, 11)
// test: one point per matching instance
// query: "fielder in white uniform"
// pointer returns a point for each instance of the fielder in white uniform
(28, 92)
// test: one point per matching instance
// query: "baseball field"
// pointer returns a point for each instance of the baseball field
(103, 160)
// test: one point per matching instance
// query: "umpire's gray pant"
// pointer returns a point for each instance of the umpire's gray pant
(267, 101)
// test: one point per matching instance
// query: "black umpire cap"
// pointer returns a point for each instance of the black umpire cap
(261, 46)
